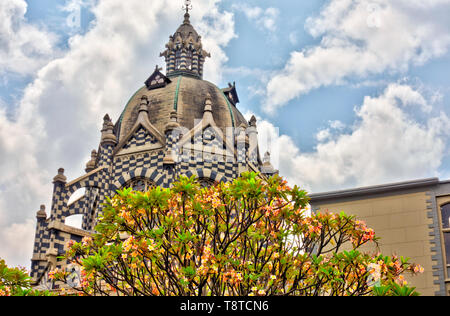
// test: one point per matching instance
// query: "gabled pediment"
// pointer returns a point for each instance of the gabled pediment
(207, 137)
(157, 80)
(231, 93)
(142, 137)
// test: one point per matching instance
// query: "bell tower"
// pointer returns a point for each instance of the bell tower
(184, 52)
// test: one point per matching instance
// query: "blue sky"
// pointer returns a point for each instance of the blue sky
(354, 92)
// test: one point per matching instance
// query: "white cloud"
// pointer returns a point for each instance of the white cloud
(323, 135)
(59, 117)
(17, 243)
(362, 38)
(24, 48)
(293, 38)
(385, 144)
(335, 128)
(265, 19)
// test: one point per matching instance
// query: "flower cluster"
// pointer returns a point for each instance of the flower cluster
(366, 234)
(6, 291)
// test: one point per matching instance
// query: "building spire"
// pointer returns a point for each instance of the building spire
(184, 52)
(187, 6)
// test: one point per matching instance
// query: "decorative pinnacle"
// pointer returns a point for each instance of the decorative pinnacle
(91, 163)
(173, 124)
(107, 131)
(41, 213)
(143, 106)
(60, 177)
(252, 121)
(208, 104)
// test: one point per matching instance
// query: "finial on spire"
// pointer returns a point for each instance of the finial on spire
(187, 6)
(60, 177)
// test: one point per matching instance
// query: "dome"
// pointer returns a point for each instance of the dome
(186, 96)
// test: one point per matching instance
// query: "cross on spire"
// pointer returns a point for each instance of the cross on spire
(187, 6)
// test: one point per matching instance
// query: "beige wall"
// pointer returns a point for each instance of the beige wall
(402, 224)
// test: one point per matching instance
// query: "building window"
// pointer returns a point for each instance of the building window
(445, 212)
(140, 184)
(189, 60)
(445, 217)
(178, 59)
(447, 247)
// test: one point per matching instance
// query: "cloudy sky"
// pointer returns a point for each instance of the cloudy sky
(351, 92)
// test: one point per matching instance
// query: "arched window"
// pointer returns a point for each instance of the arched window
(140, 184)
(189, 60)
(178, 59)
(445, 217)
(206, 182)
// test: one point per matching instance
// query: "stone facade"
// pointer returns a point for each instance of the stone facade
(177, 124)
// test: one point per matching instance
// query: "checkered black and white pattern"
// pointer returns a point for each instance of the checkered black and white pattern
(205, 156)
(62, 193)
(125, 166)
(141, 137)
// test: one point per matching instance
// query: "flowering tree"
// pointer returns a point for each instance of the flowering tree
(248, 237)
(16, 282)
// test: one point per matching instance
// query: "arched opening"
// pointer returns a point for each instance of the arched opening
(76, 196)
(75, 221)
(189, 60)
(178, 59)
(140, 184)
(206, 182)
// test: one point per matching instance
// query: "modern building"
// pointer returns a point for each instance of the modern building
(176, 124)
(411, 218)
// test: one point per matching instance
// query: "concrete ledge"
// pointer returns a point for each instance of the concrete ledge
(39, 257)
(68, 229)
(372, 190)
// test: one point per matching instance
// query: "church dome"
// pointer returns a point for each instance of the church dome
(185, 95)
